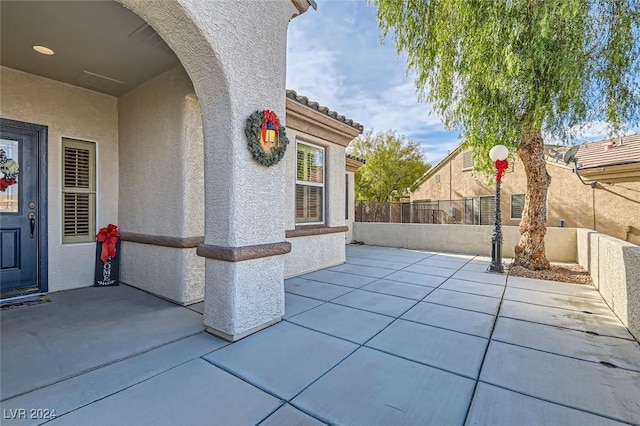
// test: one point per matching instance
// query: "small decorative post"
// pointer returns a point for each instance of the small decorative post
(498, 154)
(107, 271)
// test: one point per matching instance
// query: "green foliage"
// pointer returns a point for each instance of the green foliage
(393, 163)
(252, 129)
(502, 70)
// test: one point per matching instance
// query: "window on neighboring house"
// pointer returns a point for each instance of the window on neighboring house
(467, 161)
(517, 206)
(487, 210)
(480, 210)
(78, 191)
(437, 178)
(309, 184)
(512, 162)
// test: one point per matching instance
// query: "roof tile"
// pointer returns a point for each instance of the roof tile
(291, 94)
(609, 152)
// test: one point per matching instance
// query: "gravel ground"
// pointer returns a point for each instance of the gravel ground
(565, 273)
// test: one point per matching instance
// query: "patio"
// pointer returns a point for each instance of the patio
(391, 337)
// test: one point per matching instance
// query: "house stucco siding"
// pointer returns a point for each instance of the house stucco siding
(71, 112)
(236, 60)
(315, 252)
(609, 209)
(162, 185)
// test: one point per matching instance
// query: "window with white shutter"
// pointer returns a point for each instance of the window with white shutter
(78, 191)
(309, 184)
(517, 206)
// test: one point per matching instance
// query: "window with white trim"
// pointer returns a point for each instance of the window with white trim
(78, 191)
(310, 194)
(517, 206)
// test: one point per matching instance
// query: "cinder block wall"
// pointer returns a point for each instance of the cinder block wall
(560, 243)
(614, 266)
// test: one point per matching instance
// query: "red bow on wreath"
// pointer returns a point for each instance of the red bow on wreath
(502, 166)
(269, 116)
(108, 236)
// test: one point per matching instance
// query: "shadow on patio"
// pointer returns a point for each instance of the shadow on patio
(391, 337)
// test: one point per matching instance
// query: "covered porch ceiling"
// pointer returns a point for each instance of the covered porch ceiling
(98, 45)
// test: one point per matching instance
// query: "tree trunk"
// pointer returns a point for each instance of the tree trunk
(530, 251)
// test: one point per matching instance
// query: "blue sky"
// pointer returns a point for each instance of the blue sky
(335, 57)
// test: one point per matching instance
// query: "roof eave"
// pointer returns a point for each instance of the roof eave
(312, 121)
(303, 5)
(619, 173)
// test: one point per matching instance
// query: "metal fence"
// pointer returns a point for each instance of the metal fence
(464, 211)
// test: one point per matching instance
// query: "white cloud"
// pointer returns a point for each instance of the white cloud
(590, 131)
(335, 58)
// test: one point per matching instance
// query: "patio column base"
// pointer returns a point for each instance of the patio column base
(243, 297)
(236, 337)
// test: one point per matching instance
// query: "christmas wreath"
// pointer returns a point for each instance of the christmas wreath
(267, 139)
(9, 169)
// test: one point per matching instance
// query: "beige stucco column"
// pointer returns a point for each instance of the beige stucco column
(235, 57)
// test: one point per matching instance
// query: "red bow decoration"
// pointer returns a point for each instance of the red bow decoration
(5, 183)
(108, 236)
(269, 116)
(502, 166)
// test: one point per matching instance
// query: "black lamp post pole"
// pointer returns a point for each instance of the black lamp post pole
(496, 239)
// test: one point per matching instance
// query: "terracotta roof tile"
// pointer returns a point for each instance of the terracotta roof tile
(609, 152)
(291, 94)
(353, 157)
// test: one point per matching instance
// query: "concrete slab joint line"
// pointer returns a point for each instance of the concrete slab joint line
(238, 254)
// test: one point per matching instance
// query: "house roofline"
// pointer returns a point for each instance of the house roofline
(303, 100)
(437, 167)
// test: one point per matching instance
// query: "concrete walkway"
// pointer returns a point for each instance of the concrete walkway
(392, 337)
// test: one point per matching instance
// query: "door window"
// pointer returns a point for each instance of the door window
(9, 171)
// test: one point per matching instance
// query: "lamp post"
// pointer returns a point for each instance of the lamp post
(498, 154)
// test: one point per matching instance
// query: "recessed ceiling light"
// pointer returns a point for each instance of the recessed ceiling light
(43, 50)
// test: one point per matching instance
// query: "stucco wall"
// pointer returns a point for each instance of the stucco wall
(608, 208)
(560, 243)
(314, 252)
(71, 112)
(161, 158)
(162, 184)
(236, 59)
(614, 266)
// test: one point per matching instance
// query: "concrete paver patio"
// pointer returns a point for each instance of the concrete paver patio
(392, 337)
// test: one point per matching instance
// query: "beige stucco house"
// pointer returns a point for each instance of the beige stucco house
(606, 199)
(138, 119)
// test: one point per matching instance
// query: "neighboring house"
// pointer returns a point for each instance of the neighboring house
(607, 200)
(138, 119)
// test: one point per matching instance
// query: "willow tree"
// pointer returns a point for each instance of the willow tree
(511, 71)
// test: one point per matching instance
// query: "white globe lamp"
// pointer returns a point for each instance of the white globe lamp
(498, 152)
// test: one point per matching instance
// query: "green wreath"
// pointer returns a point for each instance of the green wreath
(256, 127)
